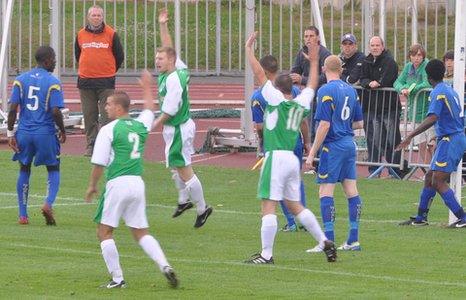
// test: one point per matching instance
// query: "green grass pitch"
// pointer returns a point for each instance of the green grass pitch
(60, 262)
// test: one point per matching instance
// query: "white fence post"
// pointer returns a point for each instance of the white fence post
(54, 31)
(248, 76)
(7, 10)
(458, 85)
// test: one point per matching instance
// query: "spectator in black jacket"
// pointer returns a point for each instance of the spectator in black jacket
(351, 59)
(300, 69)
(381, 108)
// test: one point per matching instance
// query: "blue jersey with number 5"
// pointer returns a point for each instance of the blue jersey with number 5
(37, 92)
(337, 103)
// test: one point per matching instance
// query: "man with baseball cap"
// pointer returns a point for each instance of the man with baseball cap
(351, 59)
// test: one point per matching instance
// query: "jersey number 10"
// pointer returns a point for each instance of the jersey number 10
(295, 116)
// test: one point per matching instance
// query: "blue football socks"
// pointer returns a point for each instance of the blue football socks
(450, 201)
(289, 216)
(354, 208)
(22, 189)
(53, 184)
(427, 195)
(327, 209)
(303, 194)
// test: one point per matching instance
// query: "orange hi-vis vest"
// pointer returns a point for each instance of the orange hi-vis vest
(96, 59)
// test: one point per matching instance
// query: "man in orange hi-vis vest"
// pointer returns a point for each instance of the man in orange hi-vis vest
(99, 55)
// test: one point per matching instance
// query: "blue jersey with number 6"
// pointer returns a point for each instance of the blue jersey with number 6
(37, 92)
(337, 103)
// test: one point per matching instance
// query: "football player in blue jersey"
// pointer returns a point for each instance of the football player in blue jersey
(270, 65)
(39, 97)
(446, 115)
(338, 113)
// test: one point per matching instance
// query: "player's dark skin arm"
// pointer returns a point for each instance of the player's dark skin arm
(58, 118)
(11, 125)
(426, 124)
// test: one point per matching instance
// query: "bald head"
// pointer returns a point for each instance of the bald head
(333, 64)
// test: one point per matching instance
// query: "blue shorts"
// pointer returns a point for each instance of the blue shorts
(448, 153)
(43, 148)
(337, 161)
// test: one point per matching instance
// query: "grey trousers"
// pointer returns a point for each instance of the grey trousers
(92, 103)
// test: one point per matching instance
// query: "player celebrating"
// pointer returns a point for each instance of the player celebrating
(280, 173)
(445, 112)
(338, 113)
(39, 96)
(270, 65)
(119, 148)
(178, 127)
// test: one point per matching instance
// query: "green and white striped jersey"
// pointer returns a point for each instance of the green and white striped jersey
(173, 94)
(120, 145)
(282, 118)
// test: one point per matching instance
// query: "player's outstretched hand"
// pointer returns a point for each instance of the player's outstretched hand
(146, 79)
(13, 144)
(91, 191)
(163, 16)
(62, 137)
(313, 51)
(251, 39)
(404, 144)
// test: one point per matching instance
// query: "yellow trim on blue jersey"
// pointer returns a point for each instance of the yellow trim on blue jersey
(18, 83)
(53, 86)
(444, 98)
(327, 98)
(325, 149)
(446, 138)
(323, 176)
(441, 164)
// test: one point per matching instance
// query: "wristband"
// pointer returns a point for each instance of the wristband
(10, 133)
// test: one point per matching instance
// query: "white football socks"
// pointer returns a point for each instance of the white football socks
(112, 259)
(194, 188)
(268, 232)
(309, 221)
(183, 195)
(152, 248)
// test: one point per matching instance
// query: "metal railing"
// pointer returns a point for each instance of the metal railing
(212, 32)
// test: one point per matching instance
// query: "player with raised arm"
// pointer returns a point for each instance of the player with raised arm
(39, 96)
(270, 65)
(178, 127)
(446, 114)
(338, 113)
(280, 174)
(119, 151)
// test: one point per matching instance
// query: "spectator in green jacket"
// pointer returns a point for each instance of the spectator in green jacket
(412, 79)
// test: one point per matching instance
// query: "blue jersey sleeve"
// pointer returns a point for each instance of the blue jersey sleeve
(358, 116)
(55, 95)
(16, 92)
(257, 108)
(324, 106)
(436, 103)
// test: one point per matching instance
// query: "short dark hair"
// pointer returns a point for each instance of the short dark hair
(312, 28)
(450, 54)
(284, 83)
(44, 53)
(169, 50)
(435, 69)
(121, 98)
(269, 63)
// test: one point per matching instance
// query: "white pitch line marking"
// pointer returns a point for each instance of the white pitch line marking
(235, 263)
(71, 199)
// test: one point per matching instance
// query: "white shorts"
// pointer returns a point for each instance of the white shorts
(280, 177)
(179, 144)
(425, 137)
(124, 197)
